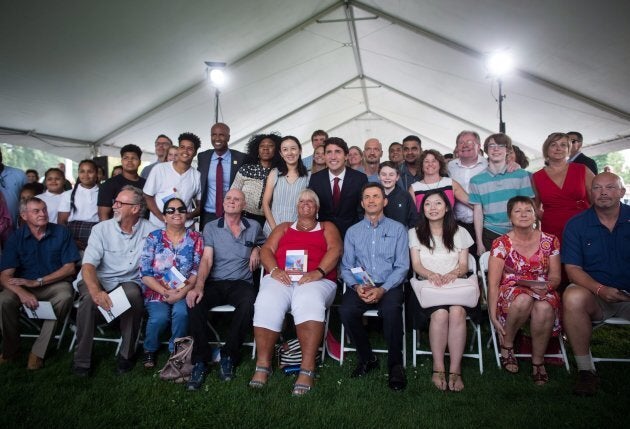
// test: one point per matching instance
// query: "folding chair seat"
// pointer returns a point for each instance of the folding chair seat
(483, 270)
(372, 313)
(476, 328)
(614, 321)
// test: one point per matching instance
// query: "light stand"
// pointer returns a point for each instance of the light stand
(501, 98)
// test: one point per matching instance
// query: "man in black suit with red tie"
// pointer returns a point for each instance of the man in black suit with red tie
(338, 187)
(222, 160)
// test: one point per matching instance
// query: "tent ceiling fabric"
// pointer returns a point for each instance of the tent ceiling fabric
(100, 75)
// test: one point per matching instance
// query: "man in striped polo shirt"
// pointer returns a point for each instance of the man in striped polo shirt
(491, 189)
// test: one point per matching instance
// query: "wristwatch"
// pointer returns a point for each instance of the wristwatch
(40, 281)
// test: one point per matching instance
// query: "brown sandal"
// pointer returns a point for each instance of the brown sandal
(510, 359)
(540, 379)
(439, 380)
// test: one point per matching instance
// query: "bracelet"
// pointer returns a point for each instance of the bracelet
(272, 270)
(321, 271)
(598, 289)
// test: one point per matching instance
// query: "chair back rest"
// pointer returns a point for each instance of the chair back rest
(483, 269)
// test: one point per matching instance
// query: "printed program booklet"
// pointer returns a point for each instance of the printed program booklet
(295, 264)
(362, 277)
(43, 311)
(120, 304)
(174, 279)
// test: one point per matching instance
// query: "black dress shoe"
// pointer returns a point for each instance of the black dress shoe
(397, 379)
(124, 365)
(80, 371)
(364, 367)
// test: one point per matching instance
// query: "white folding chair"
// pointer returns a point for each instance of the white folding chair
(227, 309)
(483, 270)
(616, 321)
(476, 327)
(372, 313)
(33, 325)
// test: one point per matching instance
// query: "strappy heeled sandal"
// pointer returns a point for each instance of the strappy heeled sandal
(257, 384)
(301, 389)
(540, 379)
(442, 379)
(452, 379)
(510, 359)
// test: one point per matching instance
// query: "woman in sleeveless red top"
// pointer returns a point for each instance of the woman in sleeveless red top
(316, 248)
(561, 187)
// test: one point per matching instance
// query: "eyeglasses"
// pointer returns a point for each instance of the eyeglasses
(122, 203)
(496, 146)
(172, 210)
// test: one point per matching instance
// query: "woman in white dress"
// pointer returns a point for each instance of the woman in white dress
(439, 254)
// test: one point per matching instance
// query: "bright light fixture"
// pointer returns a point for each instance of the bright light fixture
(217, 77)
(499, 63)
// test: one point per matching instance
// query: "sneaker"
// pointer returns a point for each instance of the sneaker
(149, 360)
(226, 369)
(587, 383)
(197, 376)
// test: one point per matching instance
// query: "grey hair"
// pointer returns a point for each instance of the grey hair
(138, 197)
(24, 203)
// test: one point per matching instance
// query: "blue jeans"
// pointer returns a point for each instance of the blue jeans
(160, 314)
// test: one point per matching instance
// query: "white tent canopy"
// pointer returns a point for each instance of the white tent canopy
(79, 78)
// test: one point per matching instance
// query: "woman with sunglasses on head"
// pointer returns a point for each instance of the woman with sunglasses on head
(168, 253)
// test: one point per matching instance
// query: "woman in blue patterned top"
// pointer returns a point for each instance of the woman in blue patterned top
(168, 265)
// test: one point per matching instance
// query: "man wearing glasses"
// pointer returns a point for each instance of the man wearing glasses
(162, 145)
(576, 141)
(491, 189)
(111, 260)
(11, 182)
(595, 252)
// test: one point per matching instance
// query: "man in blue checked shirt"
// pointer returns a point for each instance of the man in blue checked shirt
(380, 246)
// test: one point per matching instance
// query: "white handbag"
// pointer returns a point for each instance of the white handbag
(464, 292)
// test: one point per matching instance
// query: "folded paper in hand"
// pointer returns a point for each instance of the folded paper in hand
(120, 304)
(174, 279)
(362, 277)
(43, 311)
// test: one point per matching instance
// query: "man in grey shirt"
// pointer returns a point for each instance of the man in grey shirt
(225, 277)
(111, 260)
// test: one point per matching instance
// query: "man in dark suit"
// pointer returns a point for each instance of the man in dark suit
(576, 140)
(227, 162)
(338, 187)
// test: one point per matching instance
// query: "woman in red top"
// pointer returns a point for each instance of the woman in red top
(318, 246)
(560, 187)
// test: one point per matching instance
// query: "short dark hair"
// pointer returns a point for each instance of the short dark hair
(412, 138)
(131, 148)
(164, 136)
(191, 138)
(31, 170)
(373, 185)
(389, 164)
(519, 199)
(499, 138)
(577, 134)
(36, 187)
(337, 141)
(319, 133)
(168, 202)
(54, 170)
(394, 144)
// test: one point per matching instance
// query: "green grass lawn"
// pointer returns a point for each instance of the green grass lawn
(52, 397)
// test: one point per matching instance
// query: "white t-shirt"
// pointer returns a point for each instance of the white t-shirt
(440, 260)
(85, 200)
(52, 204)
(164, 183)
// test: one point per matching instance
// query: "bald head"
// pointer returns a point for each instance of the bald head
(234, 202)
(607, 190)
(372, 151)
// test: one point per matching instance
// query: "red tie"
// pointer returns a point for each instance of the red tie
(336, 193)
(219, 193)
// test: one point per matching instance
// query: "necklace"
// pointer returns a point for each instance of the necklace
(437, 184)
(306, 228)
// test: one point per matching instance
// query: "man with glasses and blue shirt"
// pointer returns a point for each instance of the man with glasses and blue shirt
(111, 260)
(11, 182)
(491, 189)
